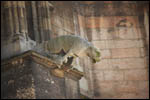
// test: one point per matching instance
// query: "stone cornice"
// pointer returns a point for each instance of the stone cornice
(31, 55)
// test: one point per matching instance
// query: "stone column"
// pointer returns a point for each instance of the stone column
(40, 22)
(2, 22)
(22, 17)
(146, 25)
(44, 19)
(35, 22)
(72, 86)
(49, 8)
(15, 17)
(15, 27)
(8, 25)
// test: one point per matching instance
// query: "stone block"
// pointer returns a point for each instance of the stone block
(98, 75)
(93, 22)
(20, 45)
(107, 22)
(105, 54)
(99, 44)
(113, 75)
(143, 52)
(127, 96)
(143, 86)
(136, 74)
(127, 63)
(103, 64)
(125, 53)
(93, 33)
(133, 95)
(105, 90)
(127, 33)
(124, 44)
(109, 33)
(127, 86)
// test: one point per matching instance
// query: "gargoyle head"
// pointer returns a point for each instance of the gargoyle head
(94, 54)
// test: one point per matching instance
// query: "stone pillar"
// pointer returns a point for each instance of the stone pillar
(71, 78)
(72, 87)
(2, 22)
(15, 17)
(146, 25)
(22, 17)
(15, 27)
(49, 8)
(35, 22)
(44, 19)
(8, 25)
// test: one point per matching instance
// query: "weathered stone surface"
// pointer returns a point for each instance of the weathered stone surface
(13, 84)
(37, 81)
(113, 75)
(128, 63)
(136, 74)
(127, 33)
(103, 64)
(105, 92)
(124, 44)
(109, 33)
(143, 86)
(126, 21)
(93, 22)
(127, 86)
(101, 8)
(98, 75)
(74, 92)
(93, 34)
(125, 53)
(47, 86)
(105, 54)
(99, 44)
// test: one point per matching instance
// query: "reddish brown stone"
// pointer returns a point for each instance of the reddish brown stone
(128, 63)
(124, 53)
(136, 74)
(107, 22)
(113, 75)
(93, 22)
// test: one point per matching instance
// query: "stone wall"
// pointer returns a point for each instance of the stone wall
(117, 30)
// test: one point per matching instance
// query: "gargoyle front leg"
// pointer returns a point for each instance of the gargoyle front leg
(69, 54)
(73, 63)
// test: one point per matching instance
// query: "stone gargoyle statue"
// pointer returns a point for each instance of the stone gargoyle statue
(71, 45)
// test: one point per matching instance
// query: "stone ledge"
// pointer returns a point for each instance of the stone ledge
(19, 59)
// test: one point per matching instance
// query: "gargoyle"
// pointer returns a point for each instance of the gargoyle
(63, 47)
